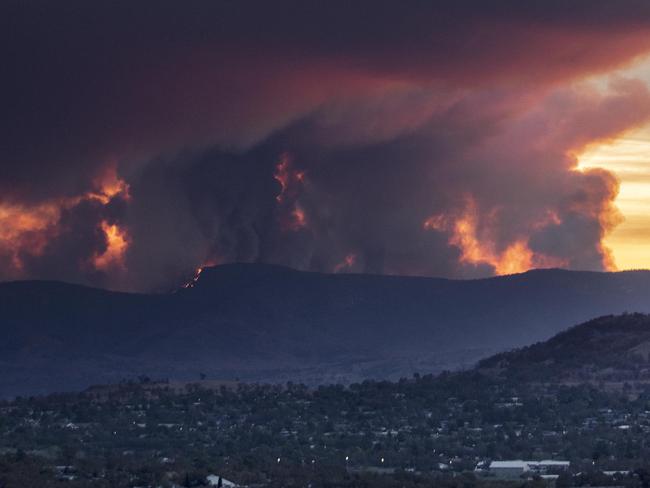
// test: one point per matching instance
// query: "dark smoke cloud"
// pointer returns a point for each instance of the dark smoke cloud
(393, 112)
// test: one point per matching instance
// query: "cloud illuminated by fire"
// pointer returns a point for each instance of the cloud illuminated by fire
(116, 246)
(282, 175)
(298, 219)
(463, 231)
(27, 229)
(292, 214)
(109, 185)
(346, 264)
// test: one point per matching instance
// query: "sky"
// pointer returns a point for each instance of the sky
(628, 157)
(141, 141)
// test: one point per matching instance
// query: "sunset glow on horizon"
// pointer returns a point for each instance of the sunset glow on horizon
(629, 159)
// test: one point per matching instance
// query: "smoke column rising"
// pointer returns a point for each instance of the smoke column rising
(141, 142)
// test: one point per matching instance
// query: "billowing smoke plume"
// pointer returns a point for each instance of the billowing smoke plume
(140, 142)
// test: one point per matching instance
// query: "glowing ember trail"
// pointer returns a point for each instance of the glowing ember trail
(347, 263)
(463, 229)
(197, 273)
(116, 246)
(195, 279)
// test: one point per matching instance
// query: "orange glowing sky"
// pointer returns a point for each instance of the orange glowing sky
(629, 159)
(478, 249)
(25, 229)
(116, 245)
(434, 138)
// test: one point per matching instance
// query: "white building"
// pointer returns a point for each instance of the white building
(516, 468)
(213, 480)
(508, 469)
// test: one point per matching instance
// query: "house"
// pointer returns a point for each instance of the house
(508, 469)
(550, 465)
(516, 468)
(215, 480)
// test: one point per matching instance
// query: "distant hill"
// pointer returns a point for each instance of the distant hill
(606, 349)
(270, 323)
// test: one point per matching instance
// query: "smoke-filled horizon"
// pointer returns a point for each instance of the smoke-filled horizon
(141, 141)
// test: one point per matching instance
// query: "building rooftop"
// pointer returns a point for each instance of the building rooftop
(526, 465)
(518, 463)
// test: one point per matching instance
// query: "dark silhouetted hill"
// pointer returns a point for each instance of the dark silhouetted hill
(269, 323)
(607, 349)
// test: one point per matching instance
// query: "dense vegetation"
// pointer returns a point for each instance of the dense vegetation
(423, 431)
(410, 432)
(605, 350)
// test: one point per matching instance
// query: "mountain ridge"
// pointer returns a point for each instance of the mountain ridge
(270, 323)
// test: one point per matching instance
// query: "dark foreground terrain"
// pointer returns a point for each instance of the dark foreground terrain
(583, 396)
(269, 323)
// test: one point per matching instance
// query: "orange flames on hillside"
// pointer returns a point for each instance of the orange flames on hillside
(198, 271)
(195, 278)
(517, 257)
